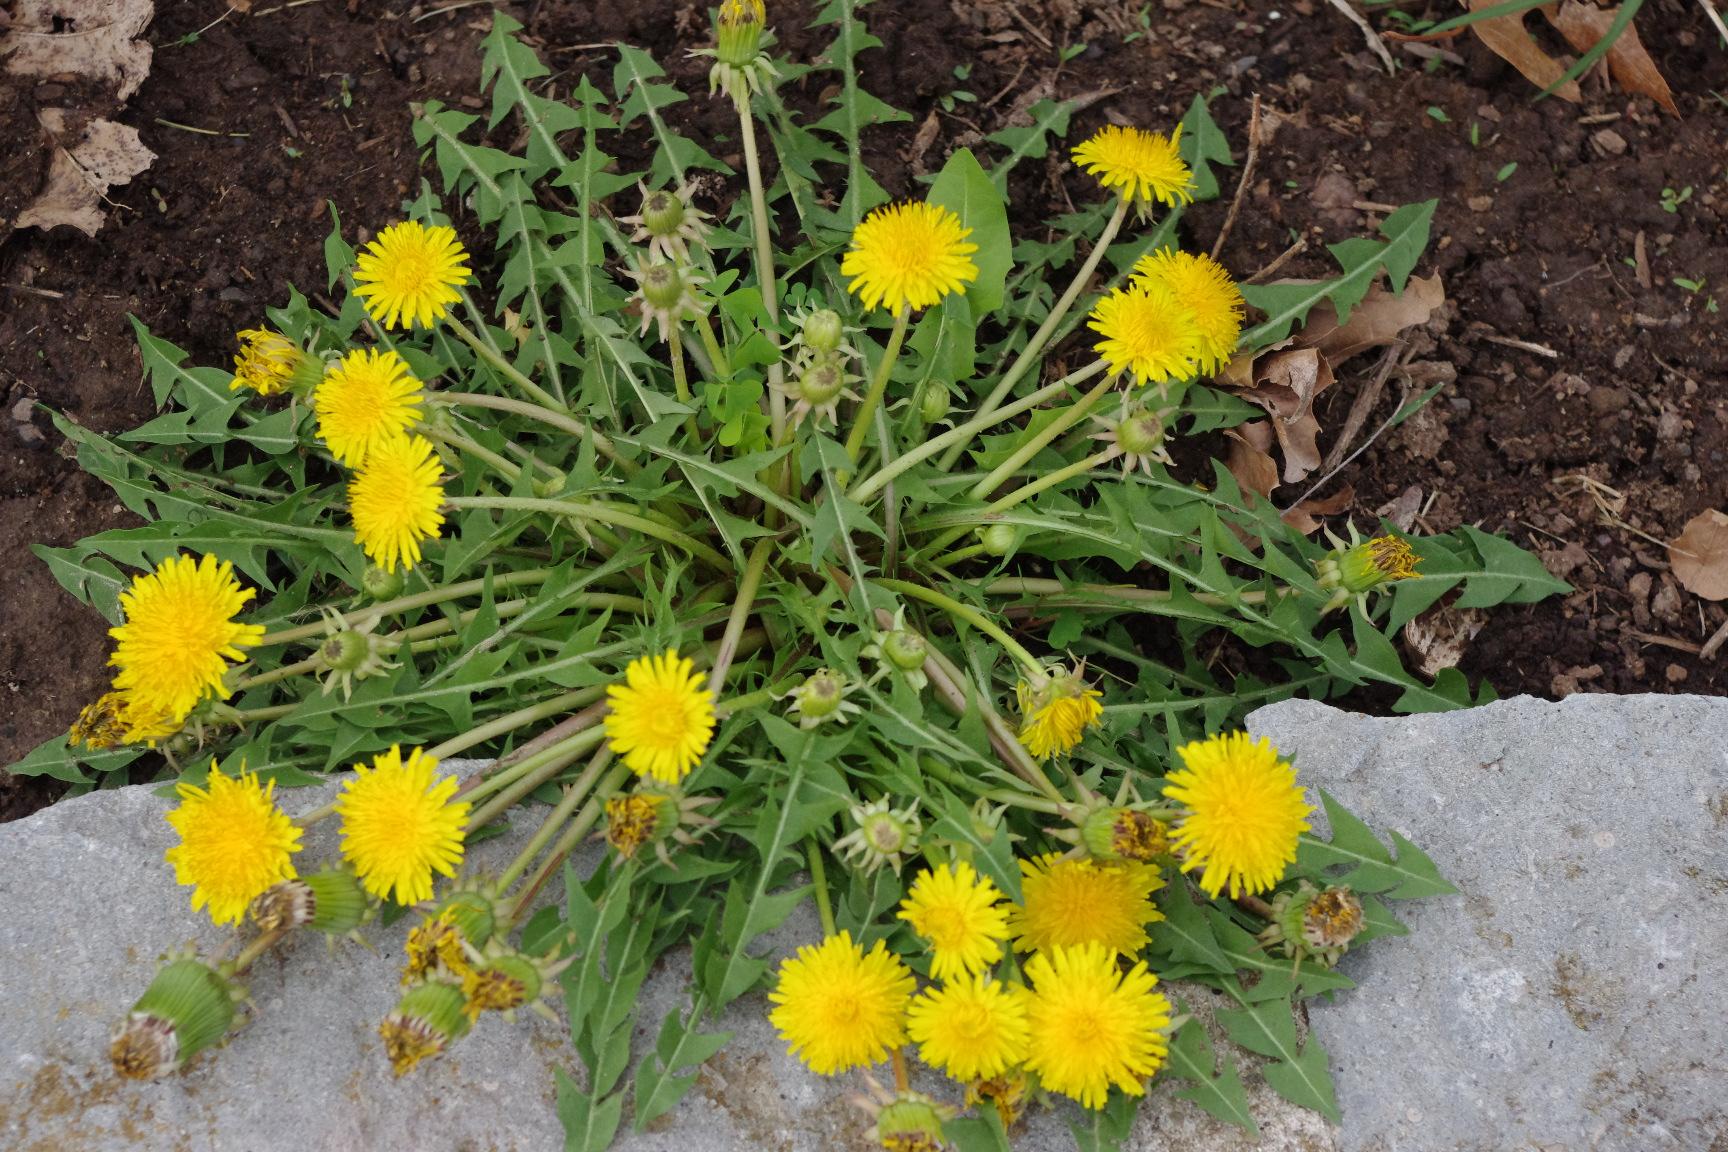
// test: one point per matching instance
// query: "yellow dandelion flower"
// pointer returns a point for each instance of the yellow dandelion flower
(1245, 812)
(974, 1029)
(409, 275)
(961, 915)
(1144, 166)
(840, 1007)
(366, 400)
(1202, 284)
(1055, 713)
(177, 638)
(1092, 1026)
(1071, 902)
(394, 501)
(909, 256)
(434, 947)
(661, 718)
(1148, 331)
(234, 842)
(268, 362)
(399, 826)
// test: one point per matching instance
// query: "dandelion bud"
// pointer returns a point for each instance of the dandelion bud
(999, 539)
(331, 902)
(1124, 834)
(662, 286)
(669, 223)
(1367, 565)
(905, 650)
(740, 31)
(666, 296)
(823, 332)
(344, 651)
(1310, 923)
(662, 213)
(473, 913)
(550, 484)
(424, 1022)
(382, 585)
(911, 1122)
(880, 835)
(269, 363)
(821, 382)
(933, 401)
(822, 697)
(188, 1007)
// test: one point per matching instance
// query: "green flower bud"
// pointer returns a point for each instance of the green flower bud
(344, 651)
(549, 485)
(428, 1018)
(999, 539)
(905, 650)
(821, 382)
(663, 213)
(740, 31)
(820, 698)
(1124, 834)
(909, 1122)
(473, 913)
(823, 332)
(1140, 434)
(188, 1007)
(933, 401)
(662, 287)
(1365, 566)
(382, 585)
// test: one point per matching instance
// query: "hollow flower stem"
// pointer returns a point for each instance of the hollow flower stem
(878, 385)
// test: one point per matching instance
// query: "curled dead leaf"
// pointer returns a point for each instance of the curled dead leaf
(1248, 458)
(1699, 556)
(1374, 323)
(1438, 638)
(82, 170)
(1584, 26)
(1508, 39)
(1305, 517)
(98, 39)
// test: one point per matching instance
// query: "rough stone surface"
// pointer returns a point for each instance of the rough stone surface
(1575, 994)
(89, 905)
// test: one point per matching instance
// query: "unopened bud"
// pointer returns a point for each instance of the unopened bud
(905, 650)
(822, 382)
(933, 401)
(188, 1007)
(999, 539)
(823, 332)
(1124, 834)
(382, 585)
(427, 1019)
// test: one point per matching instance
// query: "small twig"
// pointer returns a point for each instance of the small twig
(199, 131)
(1714, 644)
(1242, 184)
(49, 293)
(1284, 258)
(1403, 399)
(283, 7)
(1666, 641)
(1373, 206)
(1362, 406)
(1374, 42)
(431, 12)
(1521, 345)
(1721, 30)
(1010, 86)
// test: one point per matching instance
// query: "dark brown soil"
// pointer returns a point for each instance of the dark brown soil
(1590, 454)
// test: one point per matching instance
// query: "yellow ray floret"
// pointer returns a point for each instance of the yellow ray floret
(394, 501)
(1145, 329)
(234, 842)
(178, 635)
(961, 915)
(366, 399)
(1069, 902)
(1245, 813)
(838, 1007)
(1092, 1026)
(661, 718)
(399, 826)
(1205, 287)
(410, 274)
(909, 256)
(971, 1029)
(1143, 166)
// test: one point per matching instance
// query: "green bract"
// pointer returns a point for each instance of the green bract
(866, 601)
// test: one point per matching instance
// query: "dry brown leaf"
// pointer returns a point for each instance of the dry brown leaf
(1584, 25)
(1508, 39)
(1285, 384)
(105, 153)
(1375, 322)
(1248, 458)
(1699, 557)
(1305, 517)
(1438, 638)
(91, 38)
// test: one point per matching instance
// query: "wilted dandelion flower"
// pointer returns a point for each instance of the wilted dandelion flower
(668, 222)
(661, 718)
(1143, 166)
(1203, 285)
(188, 1007)
(1147, 330)
(410, 274)
(269, 363)
(178, 635)
(427, 1020)
(961, 915)
(434, 948)
(839, 1007)
(880, 834)
(634, 820)
(399, 826)
(909, 256)
(394, 501)
(1056, 709)
(1092, 1026)
(1245, 813)
(1068, 902)
(366, 399)
(116, 718)
(1136, 432)
(971, 1029)
(235, 843)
